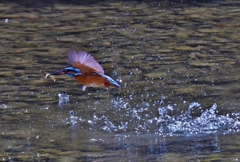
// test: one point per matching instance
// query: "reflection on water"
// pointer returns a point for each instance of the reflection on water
(179, 66)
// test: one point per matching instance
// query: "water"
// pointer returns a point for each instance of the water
(177, 63)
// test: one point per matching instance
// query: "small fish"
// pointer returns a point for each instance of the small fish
(86, 70)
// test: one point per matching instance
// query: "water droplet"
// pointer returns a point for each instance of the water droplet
(90, 122)
(63, 98)
(93, 140)
(71, 113)
(3, 106)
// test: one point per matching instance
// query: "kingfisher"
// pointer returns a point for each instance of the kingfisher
(86, 70)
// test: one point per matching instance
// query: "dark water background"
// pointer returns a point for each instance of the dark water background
(180, 68)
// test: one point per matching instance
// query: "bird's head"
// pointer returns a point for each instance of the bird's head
(70, 71)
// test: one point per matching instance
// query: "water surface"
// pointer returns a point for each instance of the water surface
(179, 97)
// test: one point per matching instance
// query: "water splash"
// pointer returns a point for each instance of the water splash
(73, 118)
(74, 121)
(208, 122)
(186, 124)
(63, 99)
(103, 122)
(138, 120)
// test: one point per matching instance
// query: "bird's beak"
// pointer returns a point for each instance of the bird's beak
(59, 72)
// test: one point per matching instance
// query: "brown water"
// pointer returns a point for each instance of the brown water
(179, 98)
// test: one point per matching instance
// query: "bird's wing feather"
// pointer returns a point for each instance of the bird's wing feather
(85, 62)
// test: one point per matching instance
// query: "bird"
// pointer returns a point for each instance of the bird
(86, 70)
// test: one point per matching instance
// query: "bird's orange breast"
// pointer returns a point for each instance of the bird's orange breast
(93, 81)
